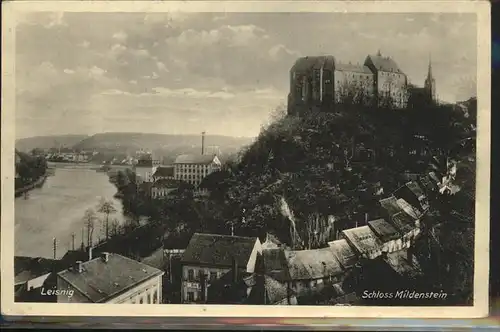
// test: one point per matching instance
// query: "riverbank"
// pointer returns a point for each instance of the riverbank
(37, 184)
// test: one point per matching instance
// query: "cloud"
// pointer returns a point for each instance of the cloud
(121, 36)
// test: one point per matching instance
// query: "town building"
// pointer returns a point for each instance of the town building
(145, 168)
(111, 278)
(310, 270)
(321, 82)
(161, 188)
(164, 173)
(193, 168)
(209, 256)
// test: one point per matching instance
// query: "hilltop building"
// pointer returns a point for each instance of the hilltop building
(321, 82)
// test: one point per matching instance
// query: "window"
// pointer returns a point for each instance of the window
(141, 301)
(190, 297)
(149, 298)
(191, 275)
(155, 296)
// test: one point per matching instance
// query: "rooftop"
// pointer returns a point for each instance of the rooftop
(195, 159)
(100, 280)
(28, 268)
(344, 253)
(164, 171)
(219, 250)
(353, 68)
(390, 204)
(167, 183)
(363, 239)
(312, 264)
(385, 231)
(403, 222)
(383, 63)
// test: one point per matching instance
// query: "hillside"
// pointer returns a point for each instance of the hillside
(47, 142)
(316, 163)
(131, 142)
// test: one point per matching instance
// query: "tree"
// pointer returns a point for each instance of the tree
(89, 219)
(107, 208)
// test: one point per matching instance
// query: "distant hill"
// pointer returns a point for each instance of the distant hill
(47, 142)
(131, 142)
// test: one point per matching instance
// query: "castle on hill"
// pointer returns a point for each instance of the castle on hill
(321, 82)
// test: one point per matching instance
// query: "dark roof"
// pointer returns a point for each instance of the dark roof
(213, 179)
(144, 163)
(305, 64)
(275, 264)
(344, 253)
(101, 280)
(403, 221)
(357, 68)
(312, 264)
(194, 159)
(28, 268)
(391, 205)
(164, 171)
(385, 231)
(167, 183)
(382, 63)
(363, 239)
(409, 196)
(219, 250)
(156, 259)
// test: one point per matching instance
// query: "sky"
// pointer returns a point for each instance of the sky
(223, 73)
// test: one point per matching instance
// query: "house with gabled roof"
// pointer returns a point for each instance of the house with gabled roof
(110, 278)
(209, 256)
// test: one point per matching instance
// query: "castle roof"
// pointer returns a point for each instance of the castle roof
(308, 62)
(381, 63)
(357, 68)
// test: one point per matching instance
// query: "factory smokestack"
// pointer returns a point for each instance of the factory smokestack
(202, 143)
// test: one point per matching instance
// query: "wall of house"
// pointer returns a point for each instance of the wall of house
(145, 173)
(157, 192)
(303, 287)
(347, 83)
(37, 282)
(393, 86)
(257, 250)
(193, 285)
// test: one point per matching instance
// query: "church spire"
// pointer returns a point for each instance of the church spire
(429, 73)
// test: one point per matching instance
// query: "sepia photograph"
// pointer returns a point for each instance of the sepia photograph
(278, 157)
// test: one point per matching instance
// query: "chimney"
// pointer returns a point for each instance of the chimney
(105, 257)
(90, 253)
(202, 143)
(235, 270)
(79, 266)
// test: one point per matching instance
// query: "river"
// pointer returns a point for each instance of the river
(56, 211)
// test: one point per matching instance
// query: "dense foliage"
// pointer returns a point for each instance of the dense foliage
(29, 168)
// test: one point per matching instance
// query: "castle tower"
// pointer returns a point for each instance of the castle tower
(430, 83)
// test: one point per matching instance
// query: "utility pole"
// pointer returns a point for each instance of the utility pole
(72, 241)
(54, 247)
